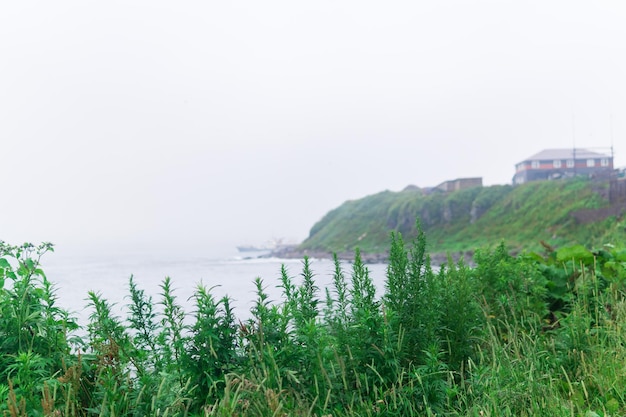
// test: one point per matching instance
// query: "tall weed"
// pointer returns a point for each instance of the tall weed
(521, 335)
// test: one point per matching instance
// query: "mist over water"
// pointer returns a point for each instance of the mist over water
(226, 274)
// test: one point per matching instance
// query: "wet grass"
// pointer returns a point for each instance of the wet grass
(519, 335)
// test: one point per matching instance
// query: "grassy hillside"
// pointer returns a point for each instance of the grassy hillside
(464, 220)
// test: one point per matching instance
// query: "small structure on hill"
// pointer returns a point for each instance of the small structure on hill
(460, 184)
(562, 163)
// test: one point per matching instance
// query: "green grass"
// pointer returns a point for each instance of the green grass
(463, 221)
(516, 335)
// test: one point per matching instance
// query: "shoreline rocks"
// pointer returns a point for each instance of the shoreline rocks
(294, 252)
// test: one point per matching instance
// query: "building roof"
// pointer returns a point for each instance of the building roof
(550, 154)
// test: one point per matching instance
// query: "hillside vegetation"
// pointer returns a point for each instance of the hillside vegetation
(465, 220)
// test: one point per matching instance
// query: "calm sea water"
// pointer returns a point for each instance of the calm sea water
(232, 275)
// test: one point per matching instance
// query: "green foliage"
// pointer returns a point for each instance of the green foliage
(526, 335)
(461, 317)
(462, 221)
(514, 290)
(211, 351)
(35, 334)
(357, 223)
(413, 299)
(435, 315)
(571, 366)
(170, 338)
(143, 326)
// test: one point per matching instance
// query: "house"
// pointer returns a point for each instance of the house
(460, 184)
(560, 163)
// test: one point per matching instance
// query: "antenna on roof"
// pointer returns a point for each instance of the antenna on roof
(574, 142)
(611, 126)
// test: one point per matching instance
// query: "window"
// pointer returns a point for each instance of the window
(604, 162)
(570, 163)
(556, 163)
(591, 163)
(534, 164)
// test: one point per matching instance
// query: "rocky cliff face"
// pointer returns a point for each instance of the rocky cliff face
(476, 212)
(466, 219)
(437, 210)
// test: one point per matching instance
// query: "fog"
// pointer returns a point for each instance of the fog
(189, 126)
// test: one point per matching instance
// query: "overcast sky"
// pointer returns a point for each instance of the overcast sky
(196, 123)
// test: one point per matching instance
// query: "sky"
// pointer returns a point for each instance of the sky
(186, 126)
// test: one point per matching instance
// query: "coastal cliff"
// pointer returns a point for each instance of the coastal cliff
(457, 223)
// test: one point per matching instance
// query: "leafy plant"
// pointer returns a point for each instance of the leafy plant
(515, 335)
(35, 334)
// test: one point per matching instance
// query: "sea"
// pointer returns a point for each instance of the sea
(229, 274)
